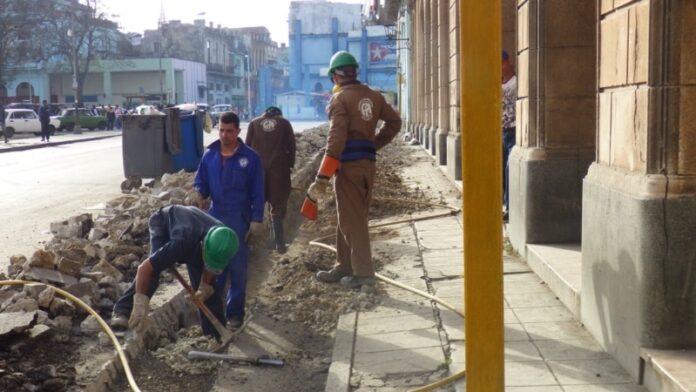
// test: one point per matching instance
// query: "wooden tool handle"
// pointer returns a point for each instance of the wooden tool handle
(221, 330)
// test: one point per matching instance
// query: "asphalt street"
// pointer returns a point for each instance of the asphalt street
(51, 183)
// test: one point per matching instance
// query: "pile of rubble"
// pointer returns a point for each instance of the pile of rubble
(94, 258)
(292, 292)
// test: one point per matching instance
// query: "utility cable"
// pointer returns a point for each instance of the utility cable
(453, 211)
(104, 326)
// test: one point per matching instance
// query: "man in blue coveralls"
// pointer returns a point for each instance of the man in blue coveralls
(231, 176)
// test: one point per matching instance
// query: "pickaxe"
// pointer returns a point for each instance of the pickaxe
(226, 336)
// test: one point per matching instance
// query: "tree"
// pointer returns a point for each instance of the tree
(73, 33)
(17, 44)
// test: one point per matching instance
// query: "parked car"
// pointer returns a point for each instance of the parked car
(25, 121)
(217, 110)
(87, 120)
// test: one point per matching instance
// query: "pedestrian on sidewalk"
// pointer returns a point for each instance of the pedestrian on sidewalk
(118, 112)
(272, 137)
(110, 118)
(179, 235)
(230, 180)
(2, 121)
(352, 144)
(45, 119)
(509, 95)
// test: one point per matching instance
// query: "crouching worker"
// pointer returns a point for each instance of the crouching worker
(179, 234)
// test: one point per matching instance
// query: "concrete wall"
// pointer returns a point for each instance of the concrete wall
(639, 198)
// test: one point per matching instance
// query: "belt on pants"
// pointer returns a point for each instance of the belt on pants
(357, 149)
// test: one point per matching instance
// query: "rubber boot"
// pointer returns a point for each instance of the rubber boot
(279, 237)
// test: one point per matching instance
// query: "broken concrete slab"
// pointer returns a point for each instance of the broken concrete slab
(23, 305)
(15, 322)
(108, 269)
(43, 259)
(46, 297)
(69, 266)
(49, 276)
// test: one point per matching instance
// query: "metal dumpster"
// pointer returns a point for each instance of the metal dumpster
(157, 144)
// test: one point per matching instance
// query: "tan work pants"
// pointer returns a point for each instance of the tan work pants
(353, 188)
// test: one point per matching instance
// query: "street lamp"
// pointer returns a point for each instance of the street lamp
(77, 128)
(248, 76)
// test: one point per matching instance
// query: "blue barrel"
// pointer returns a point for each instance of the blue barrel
(191, 144)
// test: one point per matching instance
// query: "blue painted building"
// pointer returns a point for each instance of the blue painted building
(318, 29)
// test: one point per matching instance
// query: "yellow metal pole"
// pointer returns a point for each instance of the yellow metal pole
(480, 86)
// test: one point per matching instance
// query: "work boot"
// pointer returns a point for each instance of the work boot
(119, 322)
(279, 237)
(331, 276)
(234, 323)
(357, 281)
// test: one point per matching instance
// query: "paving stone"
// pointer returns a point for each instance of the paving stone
(394, 324)
(528, 373)
(605, 388)
(556, 330)
(521, 351)
(520, 300)
(595, 371)
(534, 389)
(525, 287)
(401, 340)
(571, 349)
(417, 361)
(515, 332)
(546, 313)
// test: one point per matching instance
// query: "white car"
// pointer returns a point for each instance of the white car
(25, 121)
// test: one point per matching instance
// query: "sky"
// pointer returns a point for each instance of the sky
(140, 15)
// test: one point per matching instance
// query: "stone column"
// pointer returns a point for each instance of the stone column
(443, 81)
(427, 72)
(434, 77)
(106, 80)
(639, 197)
(555, 126)
(454, 138)
(418, 74)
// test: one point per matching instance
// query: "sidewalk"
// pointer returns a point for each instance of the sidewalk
(28, 142)
(406, 342)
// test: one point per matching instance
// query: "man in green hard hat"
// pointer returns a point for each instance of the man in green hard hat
(179, 234)
(351, 153)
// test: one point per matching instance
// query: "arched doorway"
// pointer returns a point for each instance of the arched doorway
(24, 91)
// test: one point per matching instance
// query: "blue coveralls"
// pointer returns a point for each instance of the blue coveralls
(236, 189)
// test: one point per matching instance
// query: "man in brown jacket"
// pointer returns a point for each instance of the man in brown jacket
(273, 138)
(352, 144)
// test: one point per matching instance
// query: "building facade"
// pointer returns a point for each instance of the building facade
(603, 175)
(318, 29)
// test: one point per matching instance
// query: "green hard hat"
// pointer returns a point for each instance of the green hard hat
(219, 245)
(342, 59)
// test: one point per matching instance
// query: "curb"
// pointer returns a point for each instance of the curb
(50, 144)
(338, 379)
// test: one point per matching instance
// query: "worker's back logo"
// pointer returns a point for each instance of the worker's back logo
(268, 124)
(365, 106)
(243, 162)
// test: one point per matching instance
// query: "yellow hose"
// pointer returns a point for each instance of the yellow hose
(315, 242)
(88, 309)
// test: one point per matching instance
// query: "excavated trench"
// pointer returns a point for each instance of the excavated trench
(292, 316)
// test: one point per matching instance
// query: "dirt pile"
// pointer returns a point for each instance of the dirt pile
(92, 258)
(291, 291)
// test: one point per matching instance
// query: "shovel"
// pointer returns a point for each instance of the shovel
(226, 336)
